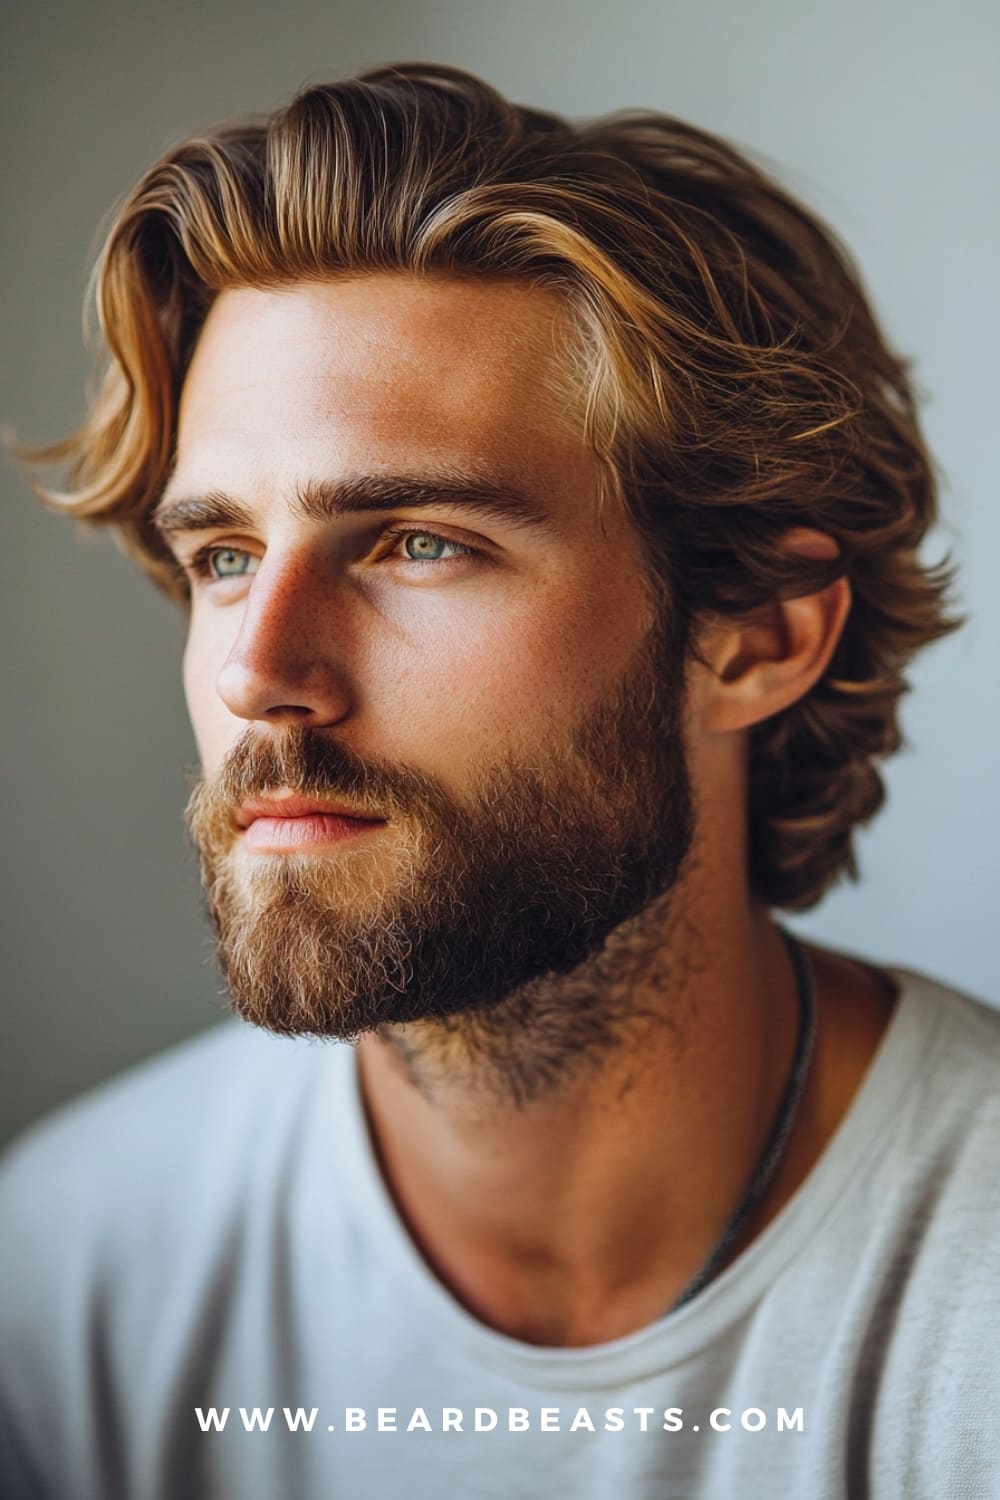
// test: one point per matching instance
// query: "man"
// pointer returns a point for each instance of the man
(545, 503)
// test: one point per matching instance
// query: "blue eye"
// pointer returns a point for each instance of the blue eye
(426, 546)
(220, 558)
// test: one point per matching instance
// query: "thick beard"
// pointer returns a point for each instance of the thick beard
(467, 913)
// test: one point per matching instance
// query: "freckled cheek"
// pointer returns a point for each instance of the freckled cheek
(482, 687)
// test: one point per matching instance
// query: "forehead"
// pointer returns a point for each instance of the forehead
(380, 371)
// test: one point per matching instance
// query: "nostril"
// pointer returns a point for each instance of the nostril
(288, 711)
(276, 672)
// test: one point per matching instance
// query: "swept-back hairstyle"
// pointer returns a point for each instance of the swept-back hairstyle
(732, 377)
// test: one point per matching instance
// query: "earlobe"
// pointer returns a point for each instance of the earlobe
(762, 664)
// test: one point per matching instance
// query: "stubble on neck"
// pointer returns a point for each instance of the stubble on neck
(552, 1038)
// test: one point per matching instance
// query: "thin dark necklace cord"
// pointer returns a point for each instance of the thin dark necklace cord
(784, 1120)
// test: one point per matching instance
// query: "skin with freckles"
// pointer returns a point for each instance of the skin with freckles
(274, 399)
(444, 638)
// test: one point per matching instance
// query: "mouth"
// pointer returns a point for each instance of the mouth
(290, 823)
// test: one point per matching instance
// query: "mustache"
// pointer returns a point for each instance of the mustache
(307, 763)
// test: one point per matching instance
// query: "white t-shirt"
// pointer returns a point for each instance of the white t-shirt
(210, 1233)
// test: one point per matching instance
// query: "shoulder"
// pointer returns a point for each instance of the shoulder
(108, 1170)
(968, 1016)
(128, 1217)
(960, 1063)
(906, 1192)
(937, 1082)
(937, 1185)
(935, 1211)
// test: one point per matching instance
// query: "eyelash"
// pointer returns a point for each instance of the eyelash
(200, 565)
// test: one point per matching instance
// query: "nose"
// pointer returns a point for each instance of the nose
(287, 664)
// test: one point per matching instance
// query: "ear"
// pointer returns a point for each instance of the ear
(762, 663)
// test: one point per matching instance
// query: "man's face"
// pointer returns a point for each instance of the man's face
(422, 614)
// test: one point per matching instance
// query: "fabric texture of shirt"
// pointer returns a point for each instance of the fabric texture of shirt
(211, 1231)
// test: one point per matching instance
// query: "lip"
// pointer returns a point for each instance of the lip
(297, 807)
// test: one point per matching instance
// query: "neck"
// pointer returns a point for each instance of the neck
(566, 1162)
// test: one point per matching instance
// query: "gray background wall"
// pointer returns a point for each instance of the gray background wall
(883, 115)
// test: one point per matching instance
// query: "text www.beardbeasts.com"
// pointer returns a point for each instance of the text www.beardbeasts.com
(486, 1419)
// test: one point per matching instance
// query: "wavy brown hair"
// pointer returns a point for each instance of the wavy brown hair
(735, 380)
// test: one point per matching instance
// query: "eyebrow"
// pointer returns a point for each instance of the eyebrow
(326, 499)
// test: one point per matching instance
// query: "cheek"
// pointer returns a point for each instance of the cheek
(211, 723)
(444, 683)
(480, 682)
